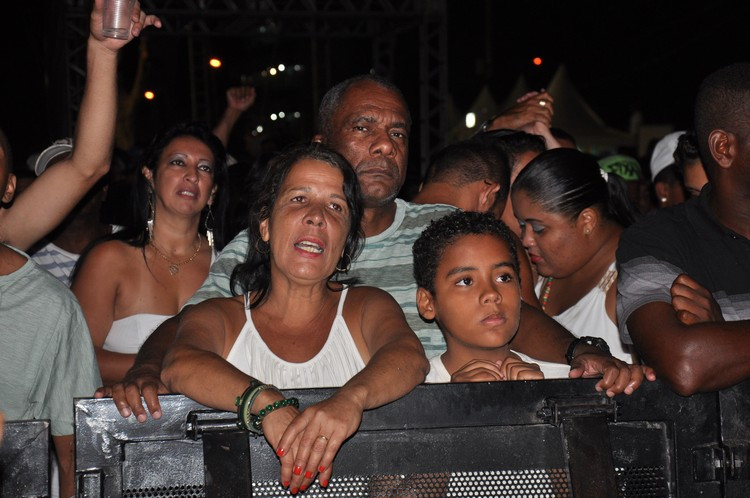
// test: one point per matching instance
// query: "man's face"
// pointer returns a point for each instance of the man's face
(370, 129)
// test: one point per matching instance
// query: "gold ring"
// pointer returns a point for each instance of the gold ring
(542, 103)
(323, 437)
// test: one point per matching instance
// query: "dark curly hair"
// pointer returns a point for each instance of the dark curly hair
(254, 275)
(429, 248)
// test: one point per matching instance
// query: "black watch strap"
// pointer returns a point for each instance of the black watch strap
(597, 342)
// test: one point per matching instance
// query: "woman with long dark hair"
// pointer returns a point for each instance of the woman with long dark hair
(571, 215)
(131, 281)
(295, 324)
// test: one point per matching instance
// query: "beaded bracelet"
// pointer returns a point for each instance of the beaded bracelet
(257, 420)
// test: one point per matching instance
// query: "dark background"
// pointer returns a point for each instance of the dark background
(621, 56)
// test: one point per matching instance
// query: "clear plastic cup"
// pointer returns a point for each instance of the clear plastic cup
(116, 18)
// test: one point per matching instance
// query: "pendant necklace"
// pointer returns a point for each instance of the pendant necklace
(174, 268)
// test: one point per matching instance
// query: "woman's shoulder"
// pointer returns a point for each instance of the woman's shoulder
(369, 296)
(111, 252)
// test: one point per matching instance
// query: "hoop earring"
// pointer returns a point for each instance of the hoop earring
(151, 216)
(257, 249)
(208, 223)
(348, 266)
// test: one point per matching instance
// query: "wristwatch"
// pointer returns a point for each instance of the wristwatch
(597, 342)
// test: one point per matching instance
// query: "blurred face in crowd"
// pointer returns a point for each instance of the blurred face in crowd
(370, 129)
(694, 178)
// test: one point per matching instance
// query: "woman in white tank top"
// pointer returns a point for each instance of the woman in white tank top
(135, 279)
(571, 215)
(293, 326)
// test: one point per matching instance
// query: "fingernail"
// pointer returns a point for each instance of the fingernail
(281, 452)
(156, 414)
(308, 475)
(125, 412)
(141, 418)
(321, 469)
(294, 491)
(324, 483)
(285, 484)
(297, 470)
(302, 488)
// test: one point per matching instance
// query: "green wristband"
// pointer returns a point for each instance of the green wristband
(258, 420)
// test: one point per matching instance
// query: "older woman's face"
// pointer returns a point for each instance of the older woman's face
(309, 222)
(555, 243)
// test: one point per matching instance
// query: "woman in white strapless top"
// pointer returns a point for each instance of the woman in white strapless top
(571, 215)
(135, 279)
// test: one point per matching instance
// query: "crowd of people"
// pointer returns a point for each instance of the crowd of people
(520, 258)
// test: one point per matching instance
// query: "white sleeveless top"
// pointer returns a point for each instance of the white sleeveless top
(337, 362)
(128, 334)
(588, 317)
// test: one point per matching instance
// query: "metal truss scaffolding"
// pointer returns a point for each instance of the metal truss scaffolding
(377, 21)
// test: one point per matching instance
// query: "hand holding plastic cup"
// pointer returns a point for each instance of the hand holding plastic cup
(116, 18)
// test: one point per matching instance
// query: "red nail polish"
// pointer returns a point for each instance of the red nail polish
(281, 452)
(297, 470)
(285, 484)
(324, 483)
(294, 491)
(321, 469)
(308, 475)
(302, 488)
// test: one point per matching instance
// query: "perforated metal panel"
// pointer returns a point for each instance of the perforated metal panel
(638, 482)
(165, 492)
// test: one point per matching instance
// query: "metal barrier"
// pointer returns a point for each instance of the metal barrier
(24, 459)
(544, 438)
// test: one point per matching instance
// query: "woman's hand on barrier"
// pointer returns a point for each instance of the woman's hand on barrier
(616, 375)
(312, 440)
(127, 394)
(478, 371)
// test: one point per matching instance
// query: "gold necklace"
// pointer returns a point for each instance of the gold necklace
(174, 268)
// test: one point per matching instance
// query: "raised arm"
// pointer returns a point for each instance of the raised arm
(42, 206)
(701, 357)
(239, 100)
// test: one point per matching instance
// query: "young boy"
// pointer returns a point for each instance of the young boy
(466, 268)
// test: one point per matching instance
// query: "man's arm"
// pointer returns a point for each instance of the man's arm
(64, 452)
(47, 201)
(694, 358)
(541, 337)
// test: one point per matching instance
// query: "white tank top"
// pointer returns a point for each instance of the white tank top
(588, 317)
(337, 362)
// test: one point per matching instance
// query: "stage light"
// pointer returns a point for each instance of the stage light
(471, 120)
(537, 61)
(149, 95)
(215, 63)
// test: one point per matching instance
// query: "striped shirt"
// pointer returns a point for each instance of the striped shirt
(57, 261)
(385, 262)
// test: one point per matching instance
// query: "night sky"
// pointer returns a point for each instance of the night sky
(621, 56)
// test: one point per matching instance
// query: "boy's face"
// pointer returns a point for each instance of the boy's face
(477, 298)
